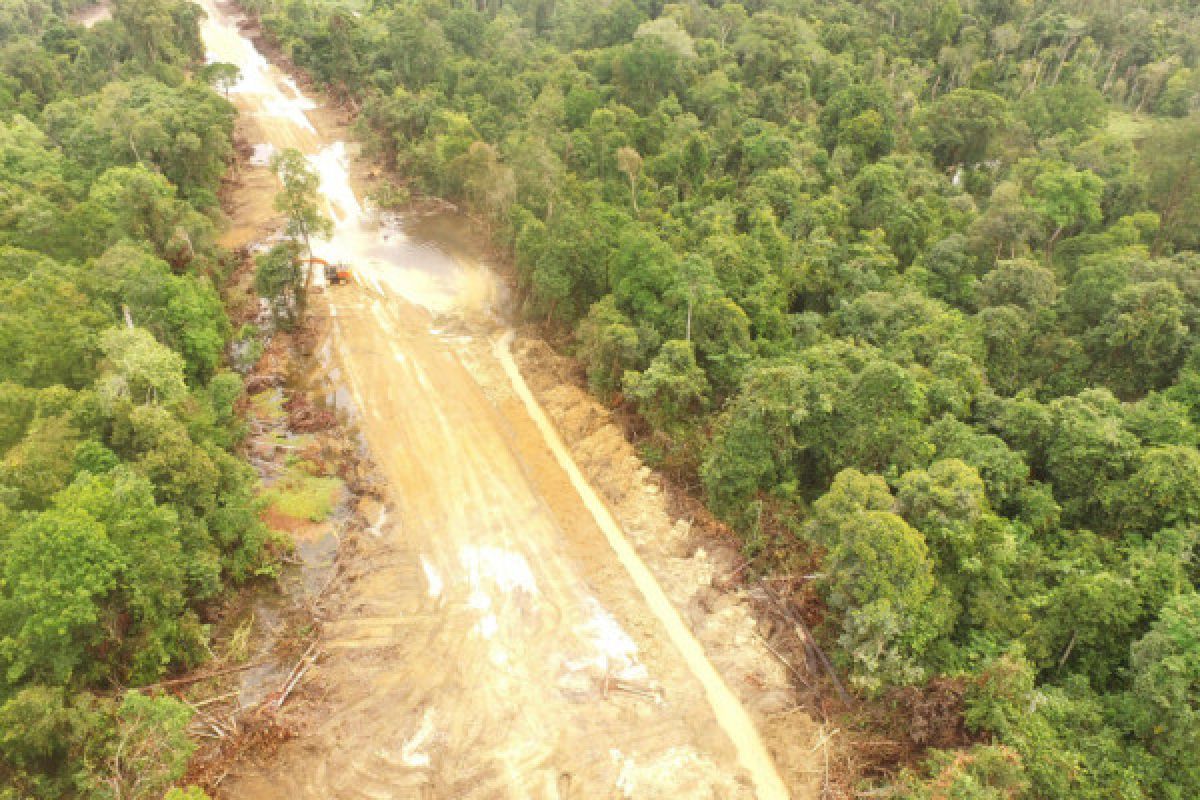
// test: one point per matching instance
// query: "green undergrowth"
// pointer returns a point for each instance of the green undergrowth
(268, 406)
(303, 494)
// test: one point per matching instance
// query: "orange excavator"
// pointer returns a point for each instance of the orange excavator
(334, 273)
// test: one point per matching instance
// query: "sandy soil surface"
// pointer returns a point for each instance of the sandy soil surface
(497, 633)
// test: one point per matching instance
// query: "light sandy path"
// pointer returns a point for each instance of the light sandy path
(470, 655)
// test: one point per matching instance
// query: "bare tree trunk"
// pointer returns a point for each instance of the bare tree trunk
(1070, 45)
(1050, 244)
(1145, 87)
(1037, 77)
(1112, 71)
(308, 275)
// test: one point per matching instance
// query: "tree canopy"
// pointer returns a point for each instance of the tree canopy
(123, 508)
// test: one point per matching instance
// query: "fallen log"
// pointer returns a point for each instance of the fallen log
(783, 660)
(805, 636)
(187, 679)
(302, 666)
(211, 700)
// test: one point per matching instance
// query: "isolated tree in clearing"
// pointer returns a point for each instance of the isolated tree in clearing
(221, 75)
(298, 199)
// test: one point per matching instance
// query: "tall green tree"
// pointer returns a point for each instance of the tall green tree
(299, 197)
(1066, 197)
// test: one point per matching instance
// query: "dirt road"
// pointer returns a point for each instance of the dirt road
(499, 637)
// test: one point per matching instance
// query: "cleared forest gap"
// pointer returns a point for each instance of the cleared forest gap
(488, 672)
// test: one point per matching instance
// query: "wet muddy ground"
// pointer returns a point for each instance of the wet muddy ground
(500, 628)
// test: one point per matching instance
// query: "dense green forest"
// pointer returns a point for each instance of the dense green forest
(906, 286)
(123, 510)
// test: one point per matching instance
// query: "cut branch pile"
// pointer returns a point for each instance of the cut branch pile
(304, 418)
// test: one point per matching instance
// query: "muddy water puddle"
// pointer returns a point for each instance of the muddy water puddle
(410, 255)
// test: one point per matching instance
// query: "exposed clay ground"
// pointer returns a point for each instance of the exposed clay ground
(502, 630)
